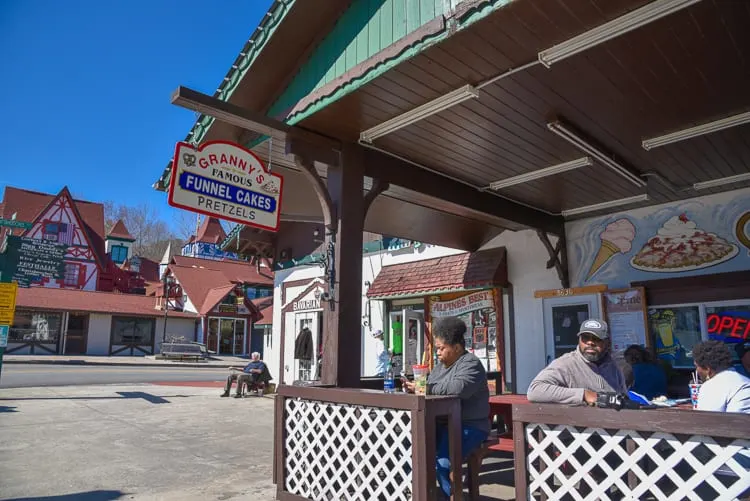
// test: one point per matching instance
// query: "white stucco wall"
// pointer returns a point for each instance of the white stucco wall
(527, 272)
(100, 327)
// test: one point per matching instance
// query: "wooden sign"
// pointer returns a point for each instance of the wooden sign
(27, 259)
(625, 312)
(575, 291)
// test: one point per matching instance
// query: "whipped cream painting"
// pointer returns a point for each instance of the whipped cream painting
(692, 237)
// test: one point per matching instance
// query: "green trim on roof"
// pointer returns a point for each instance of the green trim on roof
(293, 93)
(385, 243)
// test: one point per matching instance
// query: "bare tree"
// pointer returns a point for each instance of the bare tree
(151, 233)
(186, 224)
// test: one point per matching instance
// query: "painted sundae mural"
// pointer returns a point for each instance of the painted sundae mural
(698, 236)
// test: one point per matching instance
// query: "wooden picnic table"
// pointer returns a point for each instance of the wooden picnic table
(502, 405)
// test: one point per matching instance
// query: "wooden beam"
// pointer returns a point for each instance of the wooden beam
(558, 257)
(254, 121)
(400, 173)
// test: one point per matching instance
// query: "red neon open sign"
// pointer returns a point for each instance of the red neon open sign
(725, 325)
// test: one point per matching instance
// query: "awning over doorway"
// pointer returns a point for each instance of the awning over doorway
(469, 270)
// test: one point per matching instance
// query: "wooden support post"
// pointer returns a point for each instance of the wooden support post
(342, 332)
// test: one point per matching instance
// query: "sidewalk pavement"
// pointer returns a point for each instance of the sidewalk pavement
(215, 362)
(135, 442)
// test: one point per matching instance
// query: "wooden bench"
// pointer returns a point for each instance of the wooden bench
(494, 443)
(183, 351)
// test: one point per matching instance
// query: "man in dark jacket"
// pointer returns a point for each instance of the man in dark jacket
(576, 377)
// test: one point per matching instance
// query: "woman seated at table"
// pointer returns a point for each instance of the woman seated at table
(458, 373)
(723, 389)
(648, 378)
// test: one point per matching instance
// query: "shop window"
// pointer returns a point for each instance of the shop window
(72, 274)
(676, 329)
(119, 254)
(132, 331)
(30, 326)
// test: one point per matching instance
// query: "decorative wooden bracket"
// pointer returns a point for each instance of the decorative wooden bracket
(307, 167)
(558, 257)
(378, 187)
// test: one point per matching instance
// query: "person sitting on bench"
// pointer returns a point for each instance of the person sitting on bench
(251, 374)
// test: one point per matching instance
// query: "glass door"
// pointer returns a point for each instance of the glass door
(212, 340)
(306, 357)
(562, 318)
(226, 336)
(239, 336)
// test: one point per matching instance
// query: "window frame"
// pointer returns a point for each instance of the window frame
(701, 315)
(119, 248)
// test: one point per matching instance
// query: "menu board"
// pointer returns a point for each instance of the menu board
(625, 312)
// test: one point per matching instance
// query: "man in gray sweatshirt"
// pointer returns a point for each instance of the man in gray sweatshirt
(576, 377)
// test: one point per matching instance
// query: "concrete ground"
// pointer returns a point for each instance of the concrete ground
(149, 443)
(144, 361)
(34, 375)
(142, 442)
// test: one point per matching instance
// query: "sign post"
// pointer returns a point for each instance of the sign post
(8, 293)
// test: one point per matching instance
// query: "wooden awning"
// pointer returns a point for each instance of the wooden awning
(469, 270)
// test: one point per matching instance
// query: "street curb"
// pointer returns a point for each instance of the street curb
(118, 364)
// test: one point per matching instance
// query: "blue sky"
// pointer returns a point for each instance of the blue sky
(85, 88)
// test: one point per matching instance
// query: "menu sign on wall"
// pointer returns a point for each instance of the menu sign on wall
(626, 316)
(27, 259)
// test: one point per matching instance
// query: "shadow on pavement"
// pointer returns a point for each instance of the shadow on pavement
(5, 408)
(124, 395)
(78, 496)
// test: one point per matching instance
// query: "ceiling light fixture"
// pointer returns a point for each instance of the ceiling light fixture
(607, 31)
(722, 181)
(569, 135)
(538, 174)
(698, 130)
(420, 112)
(605, 205)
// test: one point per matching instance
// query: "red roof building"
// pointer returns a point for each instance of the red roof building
(229, 297)
(76, 322)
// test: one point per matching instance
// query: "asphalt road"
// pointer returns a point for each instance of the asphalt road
(21, 375)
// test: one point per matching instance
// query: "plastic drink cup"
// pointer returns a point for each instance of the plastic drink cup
(420, 378)
(695, 389)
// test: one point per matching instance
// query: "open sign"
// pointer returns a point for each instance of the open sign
(727, 325)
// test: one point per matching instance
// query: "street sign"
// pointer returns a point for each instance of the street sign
(4, 335)
(12, 223)
(8, 293)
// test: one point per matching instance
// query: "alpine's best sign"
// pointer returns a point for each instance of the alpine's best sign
(225, 180)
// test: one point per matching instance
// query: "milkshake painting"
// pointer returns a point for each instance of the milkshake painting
(693, 237)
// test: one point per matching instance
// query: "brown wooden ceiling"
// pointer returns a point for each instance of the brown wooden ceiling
(687, 68)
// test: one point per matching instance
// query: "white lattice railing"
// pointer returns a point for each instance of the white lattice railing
(599, 459)
(337, 451)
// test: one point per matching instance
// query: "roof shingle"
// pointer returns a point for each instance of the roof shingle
(470, 270)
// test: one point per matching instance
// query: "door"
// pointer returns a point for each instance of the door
(239, 337)
(563, 317)
(212, 340)
(413, 339)
(226, 336)
(77, 335)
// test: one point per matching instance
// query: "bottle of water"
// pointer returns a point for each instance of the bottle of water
(389, 383)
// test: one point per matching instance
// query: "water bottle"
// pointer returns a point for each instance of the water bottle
(389, 383)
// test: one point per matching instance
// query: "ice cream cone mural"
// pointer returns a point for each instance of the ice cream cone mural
(616, 238)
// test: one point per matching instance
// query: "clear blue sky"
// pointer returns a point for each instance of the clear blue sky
(85, 87)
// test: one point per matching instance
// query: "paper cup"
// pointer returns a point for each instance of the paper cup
(695, 389)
